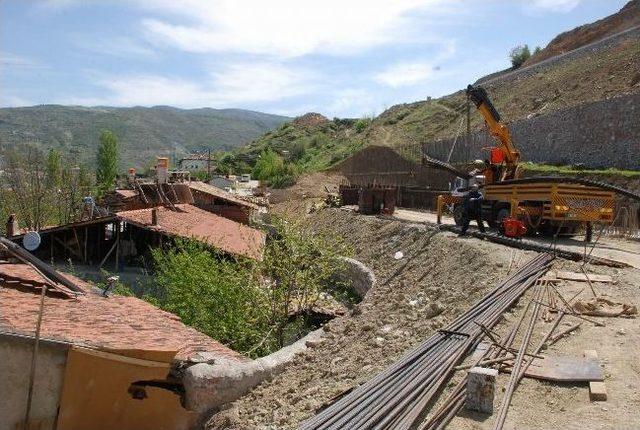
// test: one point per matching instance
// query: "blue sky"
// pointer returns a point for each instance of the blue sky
(337, 57)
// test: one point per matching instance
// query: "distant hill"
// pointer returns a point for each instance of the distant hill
(626, 18)
(143, 132)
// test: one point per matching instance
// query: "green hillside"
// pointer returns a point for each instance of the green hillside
(143, 132)
(590, 77)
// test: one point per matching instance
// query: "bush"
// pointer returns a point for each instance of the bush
(519, 55)
(248, 304)
(218, 296)
(271, 168)
(361, 124)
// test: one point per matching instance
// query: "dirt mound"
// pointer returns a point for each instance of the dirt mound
(310, 119)
(437, 277)
(627, 17)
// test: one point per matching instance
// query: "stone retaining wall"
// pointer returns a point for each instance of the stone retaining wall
(601, 134)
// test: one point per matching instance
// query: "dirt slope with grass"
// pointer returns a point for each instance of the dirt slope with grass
(588, 76)
(439, 277)
(628, 17)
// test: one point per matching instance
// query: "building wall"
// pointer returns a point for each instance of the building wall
(195, 165)
(604, 133)
(15, 356)
(96, 397)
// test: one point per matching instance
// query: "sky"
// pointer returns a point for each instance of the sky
(345, 58)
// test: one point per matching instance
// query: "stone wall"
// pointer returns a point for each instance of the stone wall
(600, 134)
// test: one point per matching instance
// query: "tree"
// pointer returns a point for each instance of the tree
(271, 168)
(53, 171)
(519, 55)
(246, 304)
(537, 50)
(107, 162)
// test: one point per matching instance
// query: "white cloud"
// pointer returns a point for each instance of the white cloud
(119, 46)
(228, 86)
(285, 28)
(405, 74)
(551, 5)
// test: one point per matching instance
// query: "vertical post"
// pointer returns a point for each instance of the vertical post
(117, 245)
(86, 238)
(468, 128)
(34, 359)
(208, 164)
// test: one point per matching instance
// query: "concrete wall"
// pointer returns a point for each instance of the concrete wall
(605, 133)
(15, 359)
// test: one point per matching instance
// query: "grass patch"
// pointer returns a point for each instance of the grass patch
(572, 170)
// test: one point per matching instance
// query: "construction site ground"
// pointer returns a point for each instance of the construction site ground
(438, 277)
(625, 251)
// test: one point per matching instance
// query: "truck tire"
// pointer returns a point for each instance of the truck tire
(500, 216)
(457, 214)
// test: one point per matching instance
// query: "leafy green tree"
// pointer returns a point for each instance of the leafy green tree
(271, 168)
(249, 304)
(215, 295)
(53, 170)
(107, 162)
(519, 55)
(537, 50)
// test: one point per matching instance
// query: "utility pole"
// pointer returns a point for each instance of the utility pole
(208, 164)
(468, 128)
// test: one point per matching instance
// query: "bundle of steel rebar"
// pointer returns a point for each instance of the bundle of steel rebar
(397, 398)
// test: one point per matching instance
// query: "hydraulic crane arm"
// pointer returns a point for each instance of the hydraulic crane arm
(500, 131)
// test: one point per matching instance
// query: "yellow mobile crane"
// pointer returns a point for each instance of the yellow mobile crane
(547, 205)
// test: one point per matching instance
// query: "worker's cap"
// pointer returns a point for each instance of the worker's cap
(478, 163)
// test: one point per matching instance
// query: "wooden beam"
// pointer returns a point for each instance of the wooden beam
(107, 256)
(68, 248)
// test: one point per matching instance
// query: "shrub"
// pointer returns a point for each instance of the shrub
(519, 55)
(361, 124)
(271, 168)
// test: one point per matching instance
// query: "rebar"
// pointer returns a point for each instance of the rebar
(398, 396)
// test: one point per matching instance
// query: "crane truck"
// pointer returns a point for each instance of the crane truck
(518, 206)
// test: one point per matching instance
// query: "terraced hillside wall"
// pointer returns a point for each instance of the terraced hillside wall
(600, 134)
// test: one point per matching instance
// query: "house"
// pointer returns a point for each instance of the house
(98, 357)
(126, 237)
(198, 162)
(223, 203)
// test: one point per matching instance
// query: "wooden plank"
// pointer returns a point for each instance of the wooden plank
(563, 369)
(581, 277)
(597, 389)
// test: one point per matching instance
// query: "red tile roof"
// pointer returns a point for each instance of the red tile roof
(189, 221)
(114, 322)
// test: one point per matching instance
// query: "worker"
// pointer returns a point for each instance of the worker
(472, 209)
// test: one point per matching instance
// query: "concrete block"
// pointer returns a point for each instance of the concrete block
(481, 387)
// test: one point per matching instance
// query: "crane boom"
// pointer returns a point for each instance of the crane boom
(498, 129)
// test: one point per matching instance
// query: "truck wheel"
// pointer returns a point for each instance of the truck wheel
(457, 214)
(502, 214)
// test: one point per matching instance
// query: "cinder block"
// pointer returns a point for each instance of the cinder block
(481, 388)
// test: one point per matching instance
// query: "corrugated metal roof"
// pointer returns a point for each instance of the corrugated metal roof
(114, 322)
(189, 221)
(221, 194)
